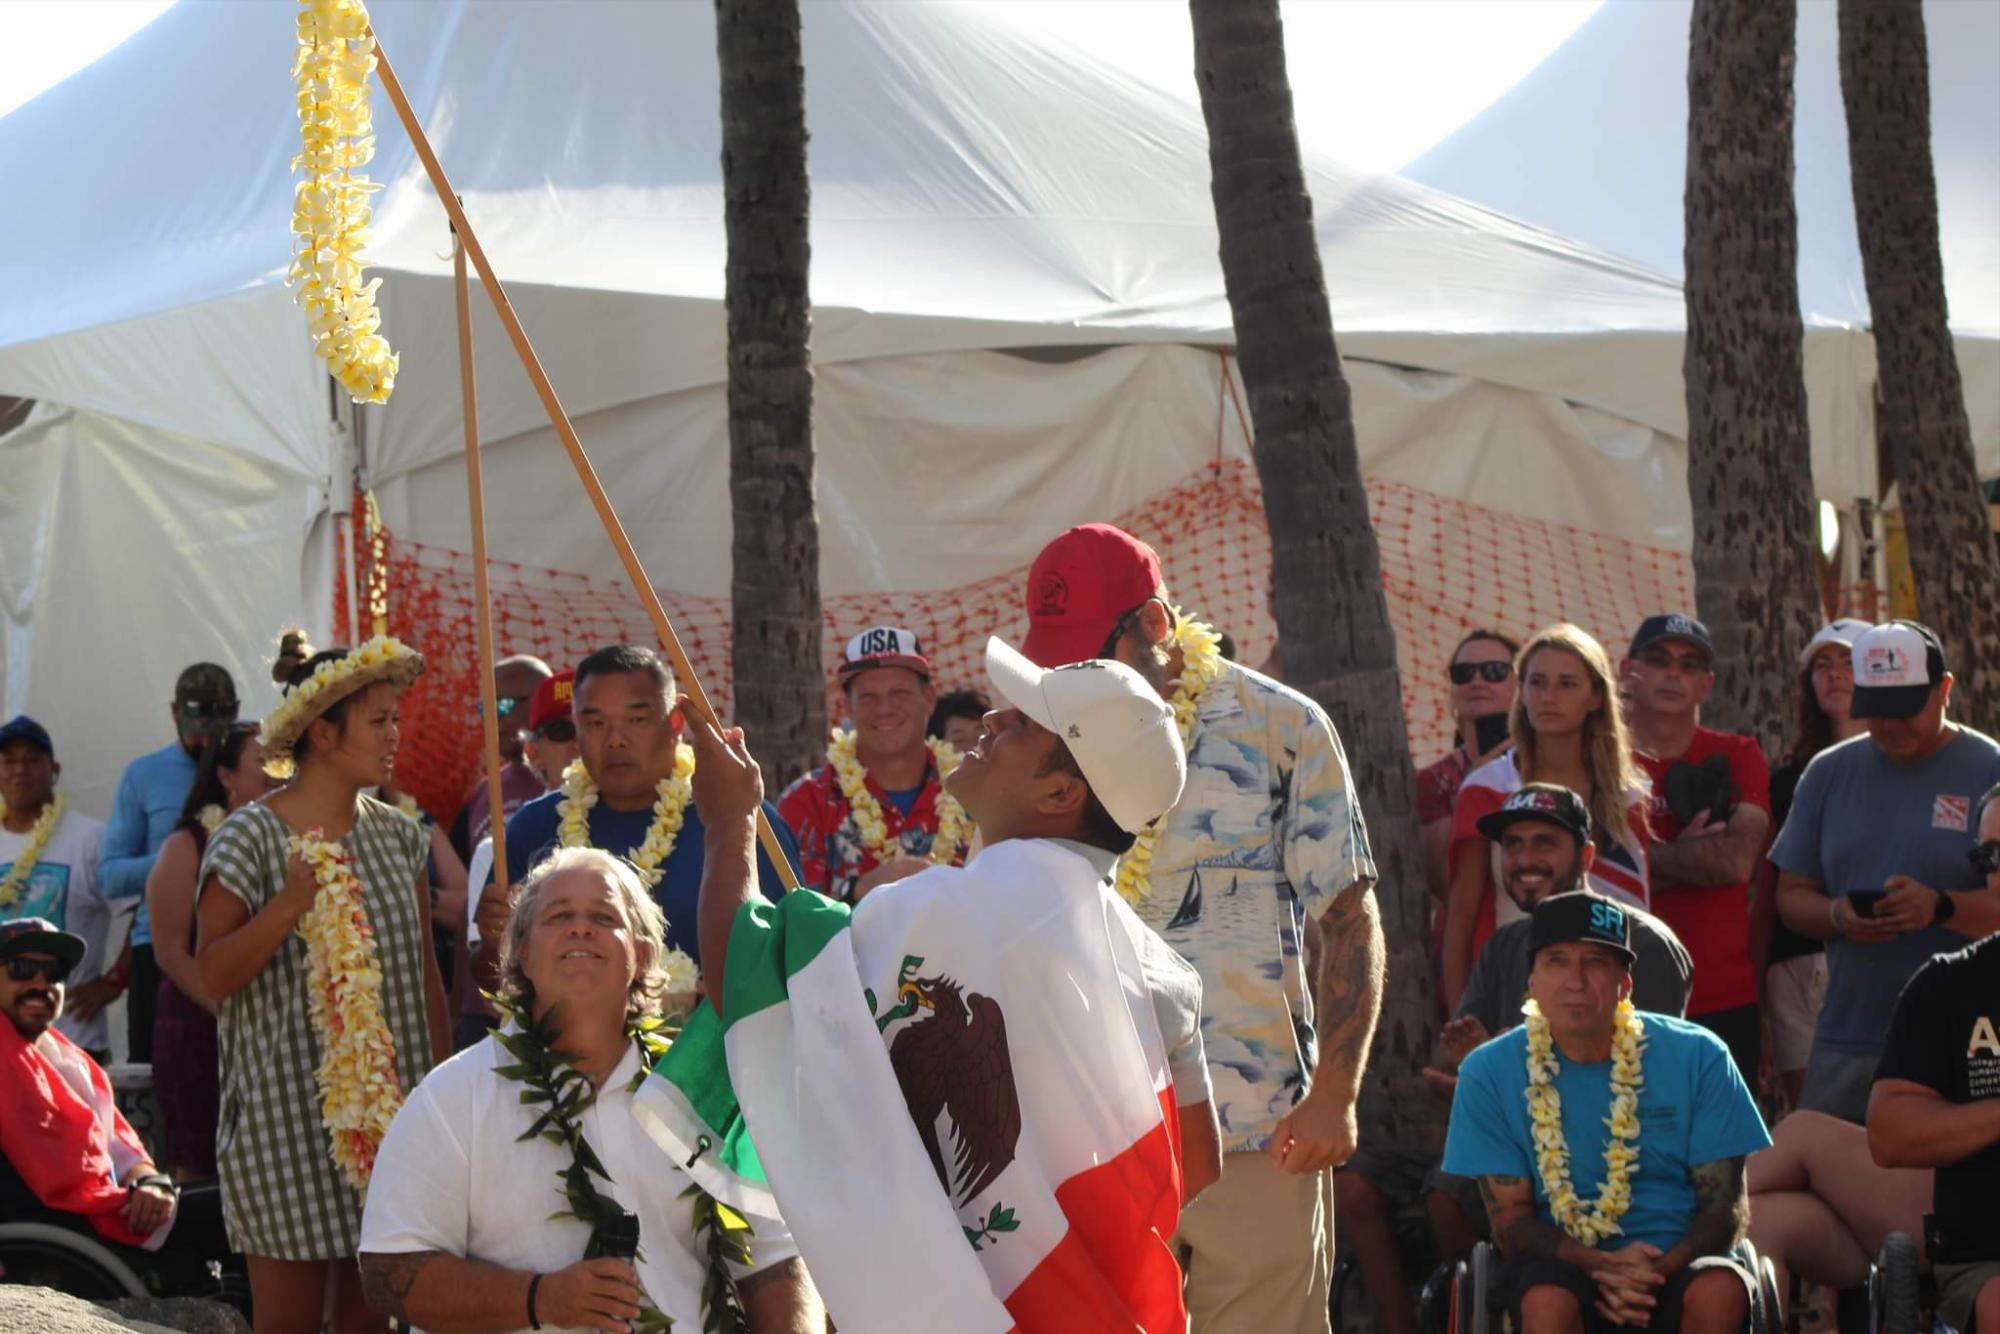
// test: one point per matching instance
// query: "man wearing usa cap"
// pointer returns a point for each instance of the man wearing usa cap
(878, 810)
(1266, 840)
(1710, 821)
(1609, 1143)
(1020, 978)
(1872, 858)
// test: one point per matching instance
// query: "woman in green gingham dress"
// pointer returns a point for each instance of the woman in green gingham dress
(288, 1206)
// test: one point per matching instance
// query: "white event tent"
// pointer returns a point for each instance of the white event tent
(1018, 312)
(1613, 178)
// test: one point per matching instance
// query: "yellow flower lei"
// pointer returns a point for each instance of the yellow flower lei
(298, 701)
(954, 826)
(39, 834)
(1201, 663)
(359, 1095)
(211, 817)
(330, 212)
(579, 794)
(1621, 1151)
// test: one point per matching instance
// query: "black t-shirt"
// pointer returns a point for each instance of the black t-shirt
(1785, 942)
(1946, 1036)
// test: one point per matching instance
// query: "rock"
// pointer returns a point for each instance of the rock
(46, 1312)
(191, 1315)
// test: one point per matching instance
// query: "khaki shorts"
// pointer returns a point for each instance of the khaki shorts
(1793, 991)
(1958, 1288)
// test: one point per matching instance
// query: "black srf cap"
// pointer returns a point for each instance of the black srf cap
(1581, 915)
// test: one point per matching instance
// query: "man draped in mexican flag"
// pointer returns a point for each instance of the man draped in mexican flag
(958, 1091)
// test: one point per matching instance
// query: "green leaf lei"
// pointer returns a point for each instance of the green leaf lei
(564, 1093)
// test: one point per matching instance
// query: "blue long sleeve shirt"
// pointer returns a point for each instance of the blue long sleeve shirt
(150, 796)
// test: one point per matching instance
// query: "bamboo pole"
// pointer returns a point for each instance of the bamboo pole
(475, 489)
(559, 420)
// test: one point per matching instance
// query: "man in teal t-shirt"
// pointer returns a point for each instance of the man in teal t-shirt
(1669, 1258)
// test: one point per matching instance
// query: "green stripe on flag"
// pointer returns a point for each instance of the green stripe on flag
(698, 1066)
(770, 943)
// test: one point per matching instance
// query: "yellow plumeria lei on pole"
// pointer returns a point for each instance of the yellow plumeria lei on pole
(579, 795)
(39, 834)
(1621, 1151)
(359, 1095)
(1201, 663)
(330, 210)
(954, 826)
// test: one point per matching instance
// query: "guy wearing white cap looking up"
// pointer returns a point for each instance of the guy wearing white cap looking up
(878, 810)
(1016, 998)
(1872, 858)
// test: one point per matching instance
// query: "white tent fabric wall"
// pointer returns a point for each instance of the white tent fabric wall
(974, 189)
(125, 554)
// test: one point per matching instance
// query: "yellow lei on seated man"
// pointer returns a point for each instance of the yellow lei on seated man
(1621, 1150)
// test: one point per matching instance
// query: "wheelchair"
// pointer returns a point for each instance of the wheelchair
(1902, 1290)
(1460, 1297)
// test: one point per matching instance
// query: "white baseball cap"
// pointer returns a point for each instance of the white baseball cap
(1118, 728)
(1896, 666)
(1842, 632)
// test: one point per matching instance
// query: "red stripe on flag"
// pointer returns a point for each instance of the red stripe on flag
(1114, 1268)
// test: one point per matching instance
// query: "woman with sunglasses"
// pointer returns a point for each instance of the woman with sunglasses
(1482, 695)
(1566, 730)
(185, 1079)
(1795, 976)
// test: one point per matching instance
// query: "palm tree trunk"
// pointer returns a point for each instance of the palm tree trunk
(1326, 568)
(1749, 451)
(780, 696)
(1920, 417)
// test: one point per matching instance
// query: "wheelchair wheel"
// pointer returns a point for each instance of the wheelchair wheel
(1434, 1306)
(1895, 1286)
(54, 1257)
(1479, 1319)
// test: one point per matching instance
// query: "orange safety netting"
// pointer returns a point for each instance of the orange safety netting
(1448, 566)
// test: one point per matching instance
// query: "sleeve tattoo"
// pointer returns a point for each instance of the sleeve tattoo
(386, 1280)
(1517, 1228)
(1722, 1207)
(1350, 983)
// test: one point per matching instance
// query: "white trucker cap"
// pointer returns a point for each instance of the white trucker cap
(1843, 632)
(1118, 728)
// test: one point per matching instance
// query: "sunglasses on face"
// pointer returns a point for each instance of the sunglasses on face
(1985, 858)
(209, 710)
(1683, 662)
(53, 971)
(561, 730)
(505, 706)
(1495, 672)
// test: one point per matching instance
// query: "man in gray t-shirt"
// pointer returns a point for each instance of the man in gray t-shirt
(1872, 858)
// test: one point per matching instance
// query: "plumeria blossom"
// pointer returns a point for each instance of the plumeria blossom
(330, 211)
(579, 794)
(359, 1095)
(211, 817)
(1201, 663)
(954, 826)
(31, 851)
(301, 705)
(1621, 1151)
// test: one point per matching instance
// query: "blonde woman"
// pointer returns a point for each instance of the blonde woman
(291, 1165)
(1566, 730)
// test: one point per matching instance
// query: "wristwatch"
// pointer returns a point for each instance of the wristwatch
(1946, 906)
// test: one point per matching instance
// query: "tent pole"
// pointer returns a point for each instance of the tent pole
(475, 488)
(628, 556)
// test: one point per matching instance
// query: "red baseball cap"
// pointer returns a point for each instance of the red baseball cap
(1078, 588)
(552, 700)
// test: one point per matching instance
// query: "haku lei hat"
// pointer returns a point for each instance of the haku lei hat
(383, 658)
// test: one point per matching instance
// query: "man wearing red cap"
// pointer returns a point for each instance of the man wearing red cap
(878, 810)
(1265, 841)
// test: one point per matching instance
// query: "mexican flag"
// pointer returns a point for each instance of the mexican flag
(958, 1098)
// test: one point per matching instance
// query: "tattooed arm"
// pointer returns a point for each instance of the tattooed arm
(1722, 1214)
(1520, 1233)
(1320, 1131)
(442, 1293)
(781, 1299)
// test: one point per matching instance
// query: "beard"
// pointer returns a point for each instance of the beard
(32, 1029)
(1569, 885)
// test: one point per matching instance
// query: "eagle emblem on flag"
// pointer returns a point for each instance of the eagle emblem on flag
(952, 1059)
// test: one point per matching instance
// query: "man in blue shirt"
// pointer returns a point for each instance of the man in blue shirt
(1872, 858)
(629, 731)
(1664, 1261)
(148, 805)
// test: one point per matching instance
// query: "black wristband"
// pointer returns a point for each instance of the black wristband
(534, 1321)
(1946, 906)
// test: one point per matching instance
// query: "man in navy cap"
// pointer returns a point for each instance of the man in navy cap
(1655, 1249)
(48, 868)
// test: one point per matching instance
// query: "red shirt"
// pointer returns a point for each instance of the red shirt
(1713, 921)
(831, 855)
(70, 1151)
(1438, 784)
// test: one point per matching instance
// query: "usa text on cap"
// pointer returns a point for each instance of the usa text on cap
(884, 646)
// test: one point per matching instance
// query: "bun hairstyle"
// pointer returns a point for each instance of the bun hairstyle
(293, 651)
